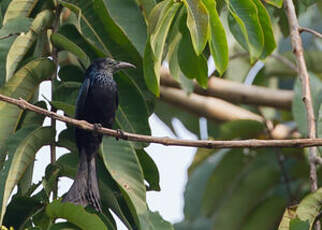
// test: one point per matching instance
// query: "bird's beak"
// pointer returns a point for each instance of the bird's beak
(124, 65)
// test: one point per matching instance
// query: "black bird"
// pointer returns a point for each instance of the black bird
(96, 103)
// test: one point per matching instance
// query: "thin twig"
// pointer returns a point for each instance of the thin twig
(284, 60)
(305, 80)
(9, 35)
(290, 143)
(314, 32)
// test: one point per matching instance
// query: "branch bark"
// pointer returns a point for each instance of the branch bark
(305, 80)
(315, 33)
(237, 93)
(291, 143)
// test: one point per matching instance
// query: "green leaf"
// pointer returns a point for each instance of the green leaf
(244, 129)
(197, 22)
(298, 108)
(288, 215)
(121, 161)
(151, 69)
(277, 3)
(18, 8)
(70, 32)
(150, 170)
(32, 118)
(15, 25)
(20, 210)
(133, 25)
(131, 114)
(147, 6)
(197, 183)
(63, 226)
(71, 73)
(64, 43)
(21, 149)
(153, 221)
(23, 84)
(265, 21)
(75, 214)
(245, 25)
(297, 224)
(309, 208)
(193, 66)
(24, 42)
(160, 21)
(198, 224)
(217, 41)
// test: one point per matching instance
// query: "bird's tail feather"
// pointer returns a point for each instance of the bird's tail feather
(84, 191)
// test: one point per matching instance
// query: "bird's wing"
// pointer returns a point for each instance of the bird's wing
(81, 99)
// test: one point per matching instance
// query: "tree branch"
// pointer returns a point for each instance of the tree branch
(237, 93)
(9, 35)
(314, 32)
(305, 80)
(291, 143)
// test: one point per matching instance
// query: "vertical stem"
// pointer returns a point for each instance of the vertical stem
(306, 91)
(53, 121)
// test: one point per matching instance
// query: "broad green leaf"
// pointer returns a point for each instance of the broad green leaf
(298, 107)
(277, 3)
(309, 208)
(21, 149)
(133, 25)
(66, 92)
(32, 118)
(24, 42)
(197, 183)
(245, 25)
(297, 224)
(153, 221)
(198, 224)
(197, 22)
(161, 19)
(150, 170)
(5, 45)
(229, 167)
(159, 31)
(63, 226)
(256, 180)
(147, 6)
(217, 41)
(71, 73)
(23, 84)
(193, 66)
(265, 21)
(69, 31)
(20, 210)
(131, 115)
(244, 129)
(266, 214)
(64, 43)
(15, 25)
(18, 8)
(288, 215)
(122, 163)
(75, 214)
(151, 69)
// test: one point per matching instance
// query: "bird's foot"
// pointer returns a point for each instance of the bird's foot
(97, 127)
(120, 134)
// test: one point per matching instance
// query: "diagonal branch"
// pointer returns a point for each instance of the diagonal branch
(291, 143)
(314, 32)
(305, 80)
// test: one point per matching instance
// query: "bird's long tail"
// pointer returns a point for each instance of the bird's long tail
(84, 190)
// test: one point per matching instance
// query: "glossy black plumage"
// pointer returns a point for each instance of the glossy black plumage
(96, 103)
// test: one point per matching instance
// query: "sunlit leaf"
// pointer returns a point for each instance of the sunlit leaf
(18, 8)
(21, 149)
(197, 22)
(75, 214)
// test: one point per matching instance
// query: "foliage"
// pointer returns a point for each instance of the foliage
(226, 189)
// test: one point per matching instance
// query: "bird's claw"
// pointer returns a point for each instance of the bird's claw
(120, 134)
(97, 127)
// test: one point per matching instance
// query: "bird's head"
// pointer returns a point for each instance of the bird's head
(110, 65)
